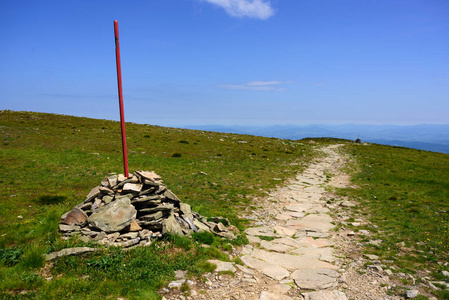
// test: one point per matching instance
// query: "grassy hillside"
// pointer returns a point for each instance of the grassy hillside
(405, 193)
(50, 162)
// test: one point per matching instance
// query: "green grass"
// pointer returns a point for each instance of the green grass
(405, 192)
(50, 162)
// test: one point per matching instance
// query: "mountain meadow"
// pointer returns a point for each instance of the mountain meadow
(49, 163)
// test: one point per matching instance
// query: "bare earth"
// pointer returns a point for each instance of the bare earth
(296, 251)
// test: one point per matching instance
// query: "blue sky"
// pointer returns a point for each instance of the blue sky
(229, 62)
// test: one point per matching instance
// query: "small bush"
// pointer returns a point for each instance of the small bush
(33, 258)
(10, 256)
(180, 241)
(176, 155)
(203, 237)
(203, 267)
(184, 142)
(108, 261)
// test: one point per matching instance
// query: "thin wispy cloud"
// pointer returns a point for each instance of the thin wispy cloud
(258, 9)
(257, 86)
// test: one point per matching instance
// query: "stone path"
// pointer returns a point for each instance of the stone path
(291, 254)
(296, 246)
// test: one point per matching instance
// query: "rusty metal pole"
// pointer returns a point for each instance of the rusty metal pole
(120, 98)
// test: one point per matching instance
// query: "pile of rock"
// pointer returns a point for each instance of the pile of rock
(125, 211)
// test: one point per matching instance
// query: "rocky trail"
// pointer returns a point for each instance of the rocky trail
(296, 249)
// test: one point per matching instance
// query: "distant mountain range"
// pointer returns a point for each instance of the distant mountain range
(429, 137)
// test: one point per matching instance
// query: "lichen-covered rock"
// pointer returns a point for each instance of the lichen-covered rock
(114, 216)
(170, 225)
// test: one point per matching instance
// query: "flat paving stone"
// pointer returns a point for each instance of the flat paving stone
(317, 222)
(288, 241)
(295, 214)
(301, 207)
(283, 217)
(325, 295)
(273, 296)
(291, 262)
(324, 254)
(271, 270)
(261, 231)
(314, 189)
(315, 243)
(315, 279)
(284, 231)
(281, 248)
(307, 197)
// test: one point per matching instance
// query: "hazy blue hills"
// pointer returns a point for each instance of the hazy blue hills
(430, 137)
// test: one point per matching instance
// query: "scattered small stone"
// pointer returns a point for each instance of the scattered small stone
(223, 265)
(375, 268)
(389, 272)
(176, 283)
(411, 294)
(180, 274)
(372, 256)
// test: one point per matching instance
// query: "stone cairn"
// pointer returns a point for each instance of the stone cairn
(125, 212)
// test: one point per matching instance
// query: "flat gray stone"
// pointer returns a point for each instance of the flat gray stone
(273, 296)
(291, 262)
(315, 222)
(253, 239)
(315, 279)
(411, 294)
(201, 226)
(92, 194)
(161, 207)
(323, 254)
(114, 216)
(176, 284)
(284, 231)
(68, 228)
(170, 195)
(325, 295)
(185, 209)
(133, 187)
(295, 214)
(271, 270)
(149, 175)
(223, 265)
(288, 241)
(69, 251)
(172, 226)
(301, 207)
(283, 217)
(282, 248)
(261, 231)
(154, 216)
(347, 204)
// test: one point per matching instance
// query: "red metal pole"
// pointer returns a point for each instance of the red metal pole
(120, 98)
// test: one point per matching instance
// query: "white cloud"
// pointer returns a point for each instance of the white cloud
(259, 9)
(256, 86)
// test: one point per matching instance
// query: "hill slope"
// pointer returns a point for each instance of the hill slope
(50, 162)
